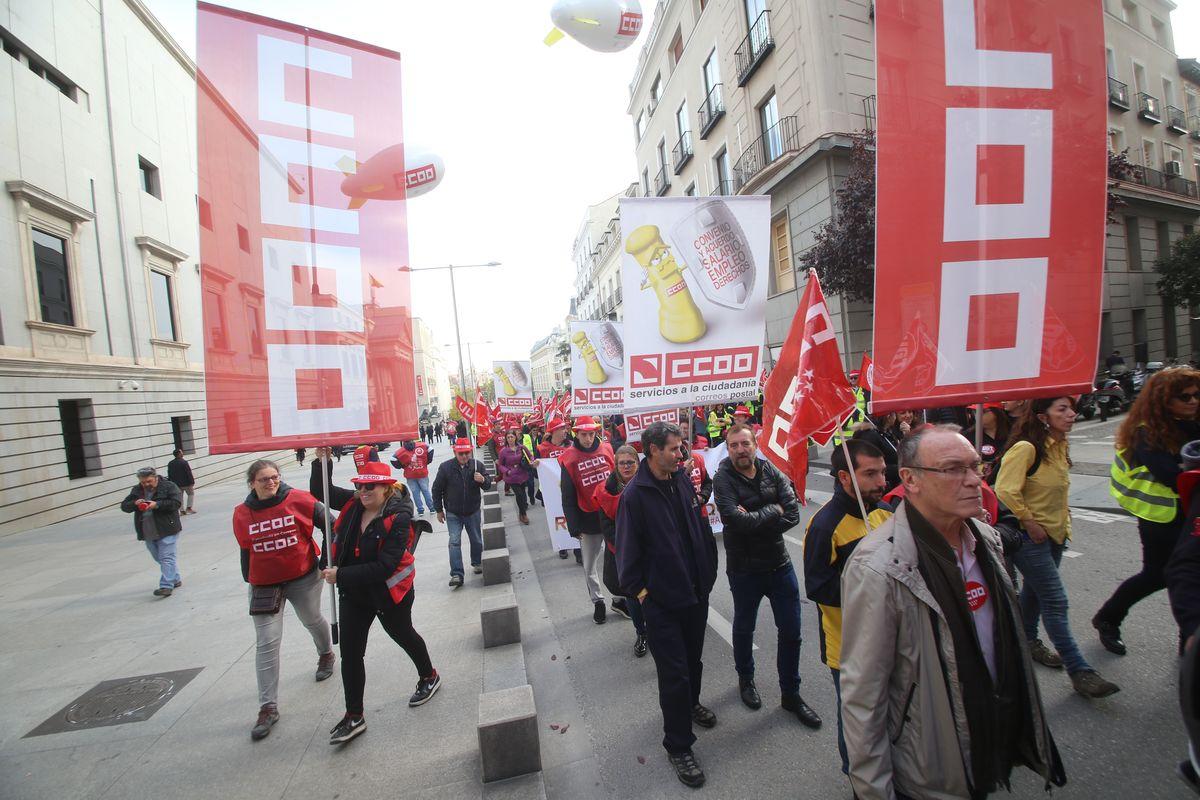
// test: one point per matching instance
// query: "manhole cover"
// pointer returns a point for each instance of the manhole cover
(116, 702)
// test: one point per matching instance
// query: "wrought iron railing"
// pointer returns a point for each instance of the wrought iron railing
(1118, 94)
(1155, 179)
(681, 153)
(754, 48)
(781, 138)
(1176, 120)
(661, 181)
(869, 112)
(711, 110)
(1149, 108)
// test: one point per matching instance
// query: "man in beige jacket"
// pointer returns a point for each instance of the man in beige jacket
(939, 699)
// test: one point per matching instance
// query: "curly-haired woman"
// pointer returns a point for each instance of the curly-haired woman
(1034, 482)
(1161, 421)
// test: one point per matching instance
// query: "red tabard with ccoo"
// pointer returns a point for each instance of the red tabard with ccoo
(990, 226)
(307, 317)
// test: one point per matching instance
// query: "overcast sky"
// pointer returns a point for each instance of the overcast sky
(530, 135)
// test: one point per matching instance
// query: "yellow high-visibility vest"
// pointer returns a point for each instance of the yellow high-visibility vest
(1138, 492)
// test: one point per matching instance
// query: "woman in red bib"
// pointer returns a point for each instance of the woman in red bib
(274, 528)
(373, 569)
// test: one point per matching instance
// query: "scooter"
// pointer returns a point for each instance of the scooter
(1110, 398)
(1086, 406)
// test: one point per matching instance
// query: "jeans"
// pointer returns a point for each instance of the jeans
(305, 596)
(419, 488)
(782, 589)
(676, 640)
(520, 491)
(356, 613)
(455, 524)
(1044, 596)
(837, 690)
(163, 552)
(1158, 542)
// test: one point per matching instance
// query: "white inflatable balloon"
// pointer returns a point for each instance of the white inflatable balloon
(607, 26)
(423, 170)
(380, 176)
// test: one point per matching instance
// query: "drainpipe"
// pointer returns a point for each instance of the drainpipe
(112, 147)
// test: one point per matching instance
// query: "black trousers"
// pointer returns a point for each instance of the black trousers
(355, 615)
(1158, 542)
(676, 640)
(519, 491)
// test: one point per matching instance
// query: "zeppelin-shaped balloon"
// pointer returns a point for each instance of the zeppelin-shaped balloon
(394, 173)
(606, 26)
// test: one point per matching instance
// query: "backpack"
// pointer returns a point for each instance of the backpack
(1037, 463)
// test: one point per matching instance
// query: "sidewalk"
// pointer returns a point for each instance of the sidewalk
(79, 610)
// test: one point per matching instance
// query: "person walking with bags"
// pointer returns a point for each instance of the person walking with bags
(154, 503)
(608, 497)
(372, 565)
(274, 529)
(515, 463)
(1034, 482)
(1145, 471)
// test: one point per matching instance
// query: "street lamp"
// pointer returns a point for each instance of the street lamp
(454, 300)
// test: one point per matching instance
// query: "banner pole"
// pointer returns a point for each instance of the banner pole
(854, 480)
(333, 608)
(978, 427)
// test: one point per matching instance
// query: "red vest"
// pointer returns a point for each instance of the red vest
(549, 450)
(279, 538)
(699, 470)
(587, 471)
(401, 579)
(364, 453)
(415, 463)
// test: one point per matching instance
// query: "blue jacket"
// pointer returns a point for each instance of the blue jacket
(650, 547)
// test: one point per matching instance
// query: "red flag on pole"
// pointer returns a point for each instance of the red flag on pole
(464, 408)
(807, 394)
(483, 425)
(866, 373)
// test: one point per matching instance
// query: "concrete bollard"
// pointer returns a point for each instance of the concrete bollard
(508, 733)
(491, 514)
(495, 567)
(494, 536)
(499, 620)
(491, 498)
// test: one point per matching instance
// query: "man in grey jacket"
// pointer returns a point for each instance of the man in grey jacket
(154, 503)
(939, 699)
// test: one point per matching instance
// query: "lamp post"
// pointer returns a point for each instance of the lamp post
(454, 301)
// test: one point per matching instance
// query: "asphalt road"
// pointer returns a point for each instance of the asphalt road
(1121, 747)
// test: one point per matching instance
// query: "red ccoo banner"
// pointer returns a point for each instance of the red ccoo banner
(307, 336)
(991, 173)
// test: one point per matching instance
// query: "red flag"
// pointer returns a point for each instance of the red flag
(464, 408)
(866, 373)
(483, 426)
(807, 394)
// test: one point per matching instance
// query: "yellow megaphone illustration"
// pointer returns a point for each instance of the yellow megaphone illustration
(679, 318)
(509, 391)
(595, 372)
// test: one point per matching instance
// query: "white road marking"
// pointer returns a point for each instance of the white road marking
(794, 540)
(1102, 517)
(722, 626)
(1072, 553)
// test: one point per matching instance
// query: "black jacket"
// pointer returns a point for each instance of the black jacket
(652, 552)
(754, 537)
(1183, 570)
(455, 490)
(380, 548)
(166, 515)
(179, 472)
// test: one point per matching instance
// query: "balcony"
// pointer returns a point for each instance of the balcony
(1166, 182)
(1149, 108)
(1194, 126)
(869, 113)
(681, 153)
(1175, 120)
(1118, 94)
(662, 184)
(724, 188)
(754, 48)
(711, 110)
(779, 140)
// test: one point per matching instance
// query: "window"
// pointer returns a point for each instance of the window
(661, 152)
(255, 327)
(682, 125)
(1170, 334)
(181, 434)
(722, 177)
(768, 118)
(1149, 158)
(205, 210)
(690, 191)
(1116, 140)
(712, 72)
(783, 274)
(1168, 92)
(655, 92)
(214, 321)
(53, 278)
(1141, 340)
(80, 444)
(640, 126)
(1110, 61)
(243, 238)
(646, 182)
(1133, 244)
(162, 299)
(1172, 159)
(1161, 33)
(1139, 78)
(40, 67)
(1129, 12)
(149, 178)
(677, 48)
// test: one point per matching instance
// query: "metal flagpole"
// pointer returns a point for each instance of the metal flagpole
(979, 427)
(854, 477)
(333, 609)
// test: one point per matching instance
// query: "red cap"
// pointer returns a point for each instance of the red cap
(462, 445)
(557, 425)
(741, 410)
(373, 472)
(586, 424)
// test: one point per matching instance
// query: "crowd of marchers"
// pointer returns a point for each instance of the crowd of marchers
(932, 567)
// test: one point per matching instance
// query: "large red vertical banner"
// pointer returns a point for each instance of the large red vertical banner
(307, 335)
(991, 173)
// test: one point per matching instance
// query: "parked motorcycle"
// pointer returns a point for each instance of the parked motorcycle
(1086, 406)
(1110, 397)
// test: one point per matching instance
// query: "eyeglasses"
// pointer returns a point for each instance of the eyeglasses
(1187, 397)
(627, 463)
(366, 487)
(958, 471)
(268, 479)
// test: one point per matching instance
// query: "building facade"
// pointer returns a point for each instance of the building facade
(550, 363)
(596, 255)
(432, 376)
(101, 336)
(757, 97)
